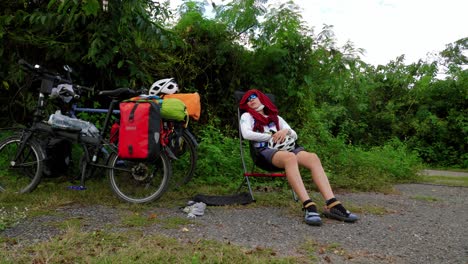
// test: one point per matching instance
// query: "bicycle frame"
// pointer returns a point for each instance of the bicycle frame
(76, 109)
(171, 133)
(101, 141)
(132, 180)
(93, 110)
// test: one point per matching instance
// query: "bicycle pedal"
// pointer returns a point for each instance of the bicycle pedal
(77, 188)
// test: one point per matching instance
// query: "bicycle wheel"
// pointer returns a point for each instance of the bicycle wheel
(23, 174)
(139, 181)
(184, 149)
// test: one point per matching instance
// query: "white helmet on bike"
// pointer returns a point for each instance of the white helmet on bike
(288, 144)
(165, 86)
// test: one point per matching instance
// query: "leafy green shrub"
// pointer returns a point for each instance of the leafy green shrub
(348, 167)
(402, 163)
(355, 168)
(218, 158)
(358, 170)
(375, 169)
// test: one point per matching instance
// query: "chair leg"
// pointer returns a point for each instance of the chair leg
(250, 188)
(246, 180)
(241, 185)
(294, 196)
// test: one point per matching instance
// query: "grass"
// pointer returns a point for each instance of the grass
(104, 246)
(136, 219)
(75, 246)
(75, 222)
(371, 209)
(425, 198)
(316, 249)
(461, 181)
(11, 216)
(449, 169)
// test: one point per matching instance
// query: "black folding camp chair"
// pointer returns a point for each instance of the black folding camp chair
(267, 170)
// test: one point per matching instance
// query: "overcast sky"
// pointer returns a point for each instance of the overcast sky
(389, 28)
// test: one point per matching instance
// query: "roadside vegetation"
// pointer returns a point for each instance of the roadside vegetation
(75, 246)
(459, 181)
(350, 112)
(109, 245)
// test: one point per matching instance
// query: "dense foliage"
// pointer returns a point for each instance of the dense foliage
(355, 115)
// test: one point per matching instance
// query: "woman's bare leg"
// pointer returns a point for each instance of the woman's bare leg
(312, 162)
(288, 161)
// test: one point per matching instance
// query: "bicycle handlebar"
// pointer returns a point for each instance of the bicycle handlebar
(26, 65)
(80, 87)
(55, 77)
(77, 89)
(43, 73)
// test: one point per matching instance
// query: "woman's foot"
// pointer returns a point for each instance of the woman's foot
(335, 210)
(312, 218)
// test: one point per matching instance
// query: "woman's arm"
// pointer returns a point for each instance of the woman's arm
(285, 126)
(246, 126)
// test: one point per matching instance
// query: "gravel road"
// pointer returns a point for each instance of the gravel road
(422, 224)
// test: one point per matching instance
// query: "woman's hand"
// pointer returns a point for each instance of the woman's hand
(280, 135)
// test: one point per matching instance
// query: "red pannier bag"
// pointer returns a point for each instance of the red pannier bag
(139, 132)
(114, 133)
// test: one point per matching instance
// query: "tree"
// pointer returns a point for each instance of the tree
(122, 46)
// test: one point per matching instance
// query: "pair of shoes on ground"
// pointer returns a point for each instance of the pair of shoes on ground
(194, 209)
(332, 212)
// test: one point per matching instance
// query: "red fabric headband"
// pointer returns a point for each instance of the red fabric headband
(270, 110)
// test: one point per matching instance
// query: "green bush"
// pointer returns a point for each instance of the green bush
(348, 167)
(375, 169)
(355, 168)
(218, 158)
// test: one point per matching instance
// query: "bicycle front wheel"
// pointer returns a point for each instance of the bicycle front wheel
(139, 181)
(20, 171)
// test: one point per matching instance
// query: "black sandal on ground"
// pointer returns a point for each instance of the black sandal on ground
(337, 211)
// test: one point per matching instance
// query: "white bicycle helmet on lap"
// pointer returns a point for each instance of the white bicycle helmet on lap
(164, 86)
(288, 144)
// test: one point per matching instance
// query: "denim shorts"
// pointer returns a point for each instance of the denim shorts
(267, 153)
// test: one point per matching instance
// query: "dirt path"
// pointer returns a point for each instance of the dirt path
(421, 224)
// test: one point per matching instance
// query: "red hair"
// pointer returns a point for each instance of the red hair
(270, 110)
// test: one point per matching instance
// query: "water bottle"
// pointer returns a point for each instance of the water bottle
(65, 122)
(90, 130)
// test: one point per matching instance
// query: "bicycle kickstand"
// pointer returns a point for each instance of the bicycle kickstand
(82, 186)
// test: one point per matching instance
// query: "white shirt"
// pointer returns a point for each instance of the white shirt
(247, 123)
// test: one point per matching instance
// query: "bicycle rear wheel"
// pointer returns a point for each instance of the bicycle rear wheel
(139, 181)
(23, 174)
(184, 149)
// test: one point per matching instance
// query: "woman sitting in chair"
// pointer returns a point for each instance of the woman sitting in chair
(275, 143)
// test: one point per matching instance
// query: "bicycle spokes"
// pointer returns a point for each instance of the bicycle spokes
(139, 181)
(21, 167)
